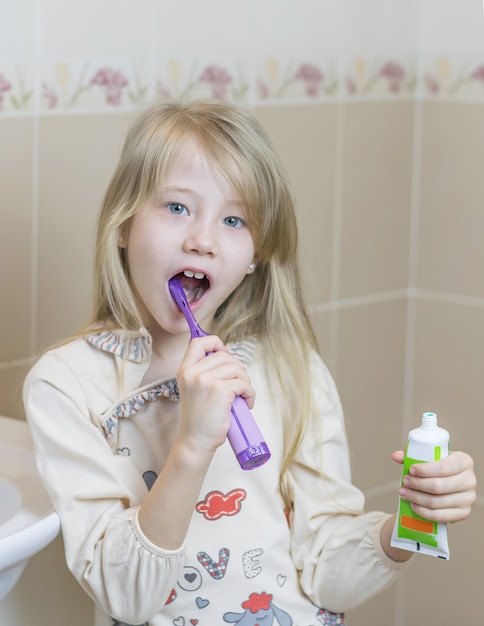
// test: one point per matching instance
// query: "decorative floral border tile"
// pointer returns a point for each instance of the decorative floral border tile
(16, 88)
(104, 84)
(383, 77)
(217, 78)
(305, 79)
(443, 77)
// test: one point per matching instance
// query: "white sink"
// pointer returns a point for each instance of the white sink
(27, 521)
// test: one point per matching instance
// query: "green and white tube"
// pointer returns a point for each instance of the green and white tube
(412, 532)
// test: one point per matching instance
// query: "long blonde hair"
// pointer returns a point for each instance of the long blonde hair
(269, 302)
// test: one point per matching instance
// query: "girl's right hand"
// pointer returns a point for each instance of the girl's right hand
(209, 379)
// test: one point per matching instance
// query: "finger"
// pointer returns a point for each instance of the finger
(443, 508)
(454, 464)
(398, 456)
(200, 347)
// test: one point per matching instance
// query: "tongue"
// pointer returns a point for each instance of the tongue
(194, 288)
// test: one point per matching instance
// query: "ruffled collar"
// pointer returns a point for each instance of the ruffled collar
(135, 345)
(131, 345)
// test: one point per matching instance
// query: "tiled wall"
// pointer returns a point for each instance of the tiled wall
(377, 108)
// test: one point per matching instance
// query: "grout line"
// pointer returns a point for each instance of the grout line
(15, 363)
(347, 303)
(34, 250)
(337, 226)
(449, 298)
(413, 259)
(397, 294)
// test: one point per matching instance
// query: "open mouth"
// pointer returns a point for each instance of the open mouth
(194, 284)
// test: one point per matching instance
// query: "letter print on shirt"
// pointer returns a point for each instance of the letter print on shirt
(215, 569)
(251, 563)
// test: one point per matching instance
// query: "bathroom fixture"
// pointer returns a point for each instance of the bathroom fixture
(28, 522)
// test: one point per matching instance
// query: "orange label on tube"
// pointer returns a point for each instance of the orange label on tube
(423, 526)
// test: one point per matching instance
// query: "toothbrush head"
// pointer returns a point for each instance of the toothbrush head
(178, 294)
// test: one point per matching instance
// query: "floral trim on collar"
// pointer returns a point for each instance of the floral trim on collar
(132, 406)
(130, 345)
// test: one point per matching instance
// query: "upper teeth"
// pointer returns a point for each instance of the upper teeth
(190, 274)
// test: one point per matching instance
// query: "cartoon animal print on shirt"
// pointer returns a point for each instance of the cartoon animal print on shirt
(251, 563)
(217, 504)
(216, 570)
(259, 609)
(117, 623)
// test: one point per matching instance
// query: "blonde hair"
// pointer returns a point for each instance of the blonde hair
(268, 303)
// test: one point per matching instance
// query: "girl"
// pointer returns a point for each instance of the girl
(160, 525)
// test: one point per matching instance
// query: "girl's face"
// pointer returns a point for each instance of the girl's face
(193, 228)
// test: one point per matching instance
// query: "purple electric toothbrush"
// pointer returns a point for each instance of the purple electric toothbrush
(244, 436)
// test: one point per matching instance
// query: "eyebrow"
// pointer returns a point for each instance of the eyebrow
(175, 189)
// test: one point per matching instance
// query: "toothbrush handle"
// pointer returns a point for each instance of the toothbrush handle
(245, 437)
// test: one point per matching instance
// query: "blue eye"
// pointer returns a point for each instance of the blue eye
(234, 222)
(176, 209)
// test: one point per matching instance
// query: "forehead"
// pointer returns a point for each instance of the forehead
(193, 164)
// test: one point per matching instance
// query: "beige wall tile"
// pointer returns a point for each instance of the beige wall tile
(323, 329)
(16, 141)
(451, 247)
(305, 137)
(448, 376)
(376, 197)
(77, 156)
(369, 374)
(11, 381)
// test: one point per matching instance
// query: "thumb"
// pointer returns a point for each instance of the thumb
(398, 455)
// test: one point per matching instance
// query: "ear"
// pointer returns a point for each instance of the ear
(283, 618)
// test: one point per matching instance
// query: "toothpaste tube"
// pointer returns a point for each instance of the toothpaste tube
(412, 532)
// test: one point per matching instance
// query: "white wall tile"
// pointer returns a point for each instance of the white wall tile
(88, 28)
(17, 29)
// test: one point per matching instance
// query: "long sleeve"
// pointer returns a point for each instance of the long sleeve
(97, 495)
(335, 545)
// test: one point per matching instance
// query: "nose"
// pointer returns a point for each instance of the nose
(201, 240)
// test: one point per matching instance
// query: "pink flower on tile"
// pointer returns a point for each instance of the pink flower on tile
(351, 86)
(263, 89)
(311, 76)
(395, 74)
(113, 83)
(4, 86)
(218, 78)
(50, 96)
(478, 73)
(432, 84)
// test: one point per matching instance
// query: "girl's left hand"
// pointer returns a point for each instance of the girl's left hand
(441, 491)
